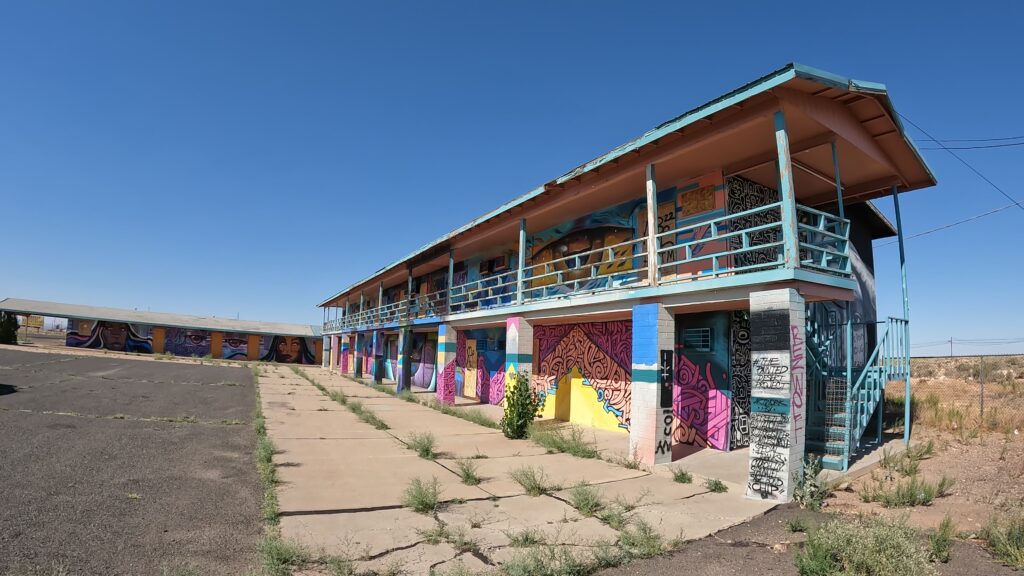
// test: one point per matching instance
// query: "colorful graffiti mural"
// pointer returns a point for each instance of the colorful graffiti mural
(187, 342)
(584, 371)
(489, 381)
(117, 336)
(287, 349)
(563, 249)
(423, 359)
(701, 397)
(740, 382)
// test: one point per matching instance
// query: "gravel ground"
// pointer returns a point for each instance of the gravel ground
(96, 490)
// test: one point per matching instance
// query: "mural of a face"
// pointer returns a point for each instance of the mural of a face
(289, 349)
(235, 346)
(114, 335)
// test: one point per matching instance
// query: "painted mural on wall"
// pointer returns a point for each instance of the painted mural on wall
(698, 201)
(287, 349)
(490, 364)
(585, 372)
(740, 381)
(235, 346)
(743, 195)
(187, 342)
(117, 336)
(701, 395)
(423, 359)
(563, 251)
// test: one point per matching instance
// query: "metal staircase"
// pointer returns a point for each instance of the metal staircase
(844, 398)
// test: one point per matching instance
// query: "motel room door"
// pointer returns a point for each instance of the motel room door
(702, 396)
(469, 385)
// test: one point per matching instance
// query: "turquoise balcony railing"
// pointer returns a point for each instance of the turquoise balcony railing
(729, 245)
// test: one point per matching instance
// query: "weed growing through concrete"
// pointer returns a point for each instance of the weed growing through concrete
(366, 415)
(585, 499)
(1005, 537)
(681, 476)
(423, 445)
(264, 457)
(474, 416)
(524, 538)
(468, 471)
(876, 546)
(534, 480)
(457, 569)
(940, 542)
(715, 485)
(640, 540)
(615, 515)
(422, 496)
(279, 557)
(456, 536)
(546, 561)
(569, 441)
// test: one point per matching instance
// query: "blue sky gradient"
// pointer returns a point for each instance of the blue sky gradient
(251, 158)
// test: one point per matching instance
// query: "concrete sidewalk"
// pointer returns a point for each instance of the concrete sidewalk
(342, 483)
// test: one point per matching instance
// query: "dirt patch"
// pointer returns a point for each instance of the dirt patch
(765, 546)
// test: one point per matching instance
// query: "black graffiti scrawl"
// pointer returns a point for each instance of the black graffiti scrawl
(740, 368)
(743, 195)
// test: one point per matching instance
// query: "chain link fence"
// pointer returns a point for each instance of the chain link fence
(966, 395)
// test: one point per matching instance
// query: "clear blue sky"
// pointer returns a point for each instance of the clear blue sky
(252, 158)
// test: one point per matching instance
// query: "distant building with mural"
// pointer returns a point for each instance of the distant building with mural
(706, 286)
(178, 334)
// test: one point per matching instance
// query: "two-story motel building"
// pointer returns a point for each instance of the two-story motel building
(708, 285)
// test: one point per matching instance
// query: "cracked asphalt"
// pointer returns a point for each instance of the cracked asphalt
(121, 466)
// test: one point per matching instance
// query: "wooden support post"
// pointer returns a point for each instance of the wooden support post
(652, 227)
(791, 239)
(520, 272)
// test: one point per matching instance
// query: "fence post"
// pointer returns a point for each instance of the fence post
(981, 370)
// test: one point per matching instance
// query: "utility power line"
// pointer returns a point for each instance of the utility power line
(965, 163)
(943, 147)
(950, 225)
(972, 139)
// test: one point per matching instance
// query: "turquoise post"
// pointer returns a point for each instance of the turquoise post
(906, 317)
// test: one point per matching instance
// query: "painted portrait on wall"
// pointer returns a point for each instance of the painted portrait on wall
(117, 336)
(235, 346)
(286, 349)
(187, 342)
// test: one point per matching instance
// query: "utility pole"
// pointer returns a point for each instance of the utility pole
(950, 347)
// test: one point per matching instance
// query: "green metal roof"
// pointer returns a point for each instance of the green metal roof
(762, 84)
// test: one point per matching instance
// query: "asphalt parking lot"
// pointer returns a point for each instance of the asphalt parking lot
(112, 466)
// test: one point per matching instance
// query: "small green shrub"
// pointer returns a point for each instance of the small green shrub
(906, 493)
(797, 524)
(421, 496)
(585, 499)
(558, 440)
(614, 515)
(809, 490)
(681, 476)
(533, 480)
(863, 546)
(456, 536)
(468, 471)
(547, 561)
(423, 445)
(1005, 537)
(715, 485)
(522, 406)
(940, 542)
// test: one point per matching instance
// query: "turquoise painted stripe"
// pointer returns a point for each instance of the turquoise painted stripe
(447, 347)
(645, 374)
(517, 357)
(769, 405)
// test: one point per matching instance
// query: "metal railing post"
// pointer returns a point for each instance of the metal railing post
(906, 316)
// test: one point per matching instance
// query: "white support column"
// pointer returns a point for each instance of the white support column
(778, 393)
(652, 227)
(451, 279)
(520, 272)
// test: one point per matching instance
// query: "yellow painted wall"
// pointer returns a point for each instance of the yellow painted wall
(253, 351)
(158, 339)
(216, 344)
(575, 402)
(318, 350)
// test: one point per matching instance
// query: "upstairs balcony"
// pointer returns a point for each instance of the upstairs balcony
(687, 257)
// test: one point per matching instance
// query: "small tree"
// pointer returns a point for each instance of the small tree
(522, 406)
(8, 328)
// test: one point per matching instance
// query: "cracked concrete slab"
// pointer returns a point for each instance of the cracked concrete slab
(357, 534)
(649, 489)
(561, 470)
